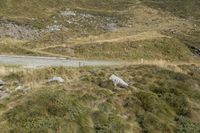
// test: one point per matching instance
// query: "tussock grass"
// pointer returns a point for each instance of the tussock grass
(13, 46)
(87, 102)
(164, 48)
(184, 9)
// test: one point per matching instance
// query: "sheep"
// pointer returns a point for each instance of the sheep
(118, 81)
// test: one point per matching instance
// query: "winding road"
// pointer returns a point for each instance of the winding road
(35, 61)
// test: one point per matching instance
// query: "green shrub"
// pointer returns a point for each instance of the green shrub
(109, 123)
(185, 125)
(49, 111)
(151, 123)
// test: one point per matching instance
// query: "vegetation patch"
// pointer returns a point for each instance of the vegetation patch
(167, 49)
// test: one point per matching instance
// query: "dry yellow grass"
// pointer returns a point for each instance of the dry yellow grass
(118, 36)
(6, 69)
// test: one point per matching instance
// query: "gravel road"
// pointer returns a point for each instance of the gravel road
(35, 61)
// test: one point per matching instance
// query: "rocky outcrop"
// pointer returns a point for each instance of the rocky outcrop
(18, 31)
(194, 50)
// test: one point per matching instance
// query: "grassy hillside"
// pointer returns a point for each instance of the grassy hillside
(40, 11)
(182, 8)
(187, 9)
(158, 100)
(164, 90)
(79, 20)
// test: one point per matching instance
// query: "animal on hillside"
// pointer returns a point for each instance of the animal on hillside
(118, 81)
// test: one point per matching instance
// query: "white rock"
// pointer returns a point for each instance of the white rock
(118, 81)
(19, 88)
(2, 83)
(68, 13)
(52, 28)
(4, 95)
(22, 89)
(1, 87)
(55, 21)
(57, 79)
(110, 26)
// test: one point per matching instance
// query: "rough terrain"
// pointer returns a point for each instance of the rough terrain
(57, 57)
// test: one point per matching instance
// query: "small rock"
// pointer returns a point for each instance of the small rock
(55, 21)
(3, 95)
(68, 13)
(1, 87)
(110, 26)
(17, 82)
(18, 31)
(57, 79)
(22, 89)
(19, 88)
(2, 83)
(53, 28)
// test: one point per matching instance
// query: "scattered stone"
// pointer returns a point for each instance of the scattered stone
(8, 90)
(195, 50)
(18, 31)
(110, 27)
(118, 81)
(68, 12)
(55, 21)
(22, 89)
(19, 88)
(1, 87)
(17, 82)
(3, 95)
(53, 28)
(86, 15)
(2, 83)
(82, 20)
(56, 79)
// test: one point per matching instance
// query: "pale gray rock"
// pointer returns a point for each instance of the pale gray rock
(22, 89)
(2, 83)
(56, 79)
(118, 81)
(3, 95)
